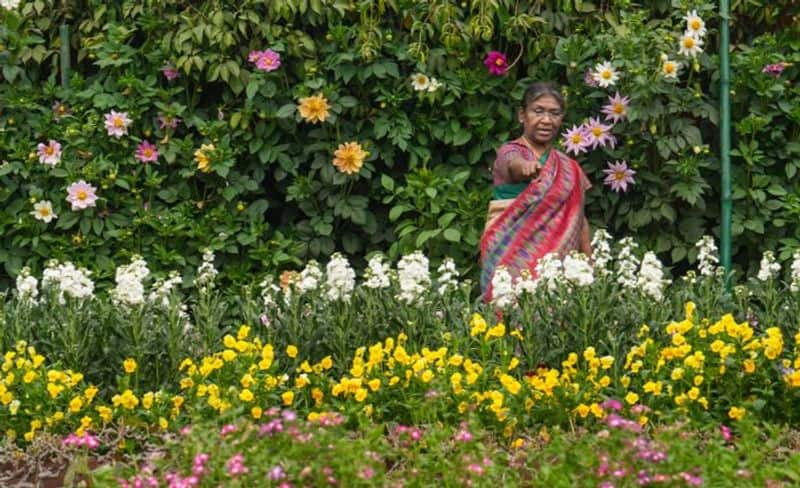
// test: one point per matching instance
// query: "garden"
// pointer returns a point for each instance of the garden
(241, 246)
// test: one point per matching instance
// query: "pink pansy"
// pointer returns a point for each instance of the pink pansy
(619, 175)
(117, 123)
(267, 60)
(49, 153)
(496, 62)
(170, 73)
(617, 108)
(576, 140)
(81, 195)
(147, 152)
(599, 134)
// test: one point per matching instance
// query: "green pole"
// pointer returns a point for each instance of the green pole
(63, 31)
(725, 138)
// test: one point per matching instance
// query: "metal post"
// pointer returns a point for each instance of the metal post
(63, 32)
(725, 139)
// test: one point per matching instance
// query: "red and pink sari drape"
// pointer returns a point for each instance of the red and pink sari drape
(547, 217)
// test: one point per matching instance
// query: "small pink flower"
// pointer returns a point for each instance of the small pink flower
(726, 433)
(227, 429)
(170, 73)
(117, 123)
(49, 153)
(81, 195)
(147, 152)
(775, 69)
(276, 473)
(264, 320)
(496, 62)
(168, 122)
(617, 108)
(612, 404)
(599, 134)
(235, 465)
(268, 60)
(186, 430)
(589, 80)
(619, 175)
(367, 473)
(475, 468)
(576, 140)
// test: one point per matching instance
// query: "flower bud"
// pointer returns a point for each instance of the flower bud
(697, 149)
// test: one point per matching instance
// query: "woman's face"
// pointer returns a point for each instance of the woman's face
(541, 119)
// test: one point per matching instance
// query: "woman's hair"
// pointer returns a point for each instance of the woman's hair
(540, 89)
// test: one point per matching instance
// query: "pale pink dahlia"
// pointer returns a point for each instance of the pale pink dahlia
(81, 195)
(617, 108)
(117, 123)
(147, 152)
(618, 175)
(576, 140)
(49, 153)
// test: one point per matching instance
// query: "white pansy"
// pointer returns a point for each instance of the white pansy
(707, 256)
(413, 275)
(340, 278)
(578, 270)
(769, 267)
(377, 273)
(502, 288)
(651, 276)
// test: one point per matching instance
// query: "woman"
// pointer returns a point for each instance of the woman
(537, 206)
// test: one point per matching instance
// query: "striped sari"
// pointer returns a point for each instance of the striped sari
(546, 217)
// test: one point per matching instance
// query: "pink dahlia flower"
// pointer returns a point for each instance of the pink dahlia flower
(496, 62)
(81, 195)
(117, 123)
(147, 152)
(576, 140)
(49, 153)
(618, 176)
(617, 108)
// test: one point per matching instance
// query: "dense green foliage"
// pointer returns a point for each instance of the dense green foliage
(273, 199)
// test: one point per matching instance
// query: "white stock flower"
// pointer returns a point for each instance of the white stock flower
(549, 270)
(414, 276)
(27, 286)
(66, 279)
(601, 252)
(206, 272)
(627, 263)
(502, 288)
(577, 269)
(9, 4)
(162, 289)
(340, 278)
(448, 276)
(795, 284)
(377, 273)
(707, 256)
(769, 268)
(651, 276)
(268, 292)
(129, 279)
(525, 284)
(310, 278)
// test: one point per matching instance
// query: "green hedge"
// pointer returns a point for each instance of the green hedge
(273, 199)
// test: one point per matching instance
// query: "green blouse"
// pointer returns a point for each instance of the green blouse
(512, 190)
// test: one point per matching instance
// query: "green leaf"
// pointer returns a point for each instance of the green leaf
(387, 182)
(452, 235)
(426, 235)
(396, 212)
(348, 102)
(252, 88)
(286, 111)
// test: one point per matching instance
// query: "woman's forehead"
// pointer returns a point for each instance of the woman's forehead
(545, 101)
